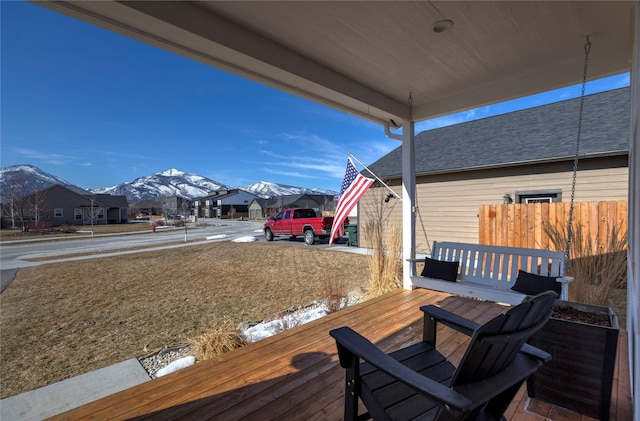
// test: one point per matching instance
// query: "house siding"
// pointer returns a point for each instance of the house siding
(255, 210)
(447, 204)
(68, 199)
(60, 198)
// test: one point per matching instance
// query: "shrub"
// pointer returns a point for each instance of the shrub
(67, 229)
(335, 291)
(598, 265)
(41, 227)
(222, 337)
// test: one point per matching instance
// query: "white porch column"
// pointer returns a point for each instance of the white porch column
(408, 201)
(633, 252)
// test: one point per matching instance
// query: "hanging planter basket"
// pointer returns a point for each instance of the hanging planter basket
(579, 376)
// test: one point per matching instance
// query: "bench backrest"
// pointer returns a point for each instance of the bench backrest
(498, 266)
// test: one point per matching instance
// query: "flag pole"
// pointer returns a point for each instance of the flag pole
(377, 178)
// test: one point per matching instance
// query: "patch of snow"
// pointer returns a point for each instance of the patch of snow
(171, 173)
(176, 365)
(267, 189)
(258, 230)
(248, 239)
(217, 237)
(292, 318)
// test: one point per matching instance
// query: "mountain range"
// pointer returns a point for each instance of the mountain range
(171, 182)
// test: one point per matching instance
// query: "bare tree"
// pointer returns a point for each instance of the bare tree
(90, 214)
(16, 207)
(185, 208)
(232, 212)
(164, 205)
(21, 207)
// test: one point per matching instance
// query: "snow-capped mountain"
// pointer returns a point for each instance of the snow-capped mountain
(167, 183)
(266, 189)
(172, 182)
(23, 180)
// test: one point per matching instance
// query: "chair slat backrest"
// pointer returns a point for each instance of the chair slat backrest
(494, 345)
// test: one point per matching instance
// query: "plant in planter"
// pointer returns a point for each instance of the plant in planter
(598, 264)
(582, 340)
(582, 335)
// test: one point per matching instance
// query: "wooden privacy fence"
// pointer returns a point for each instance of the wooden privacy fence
(521, 225)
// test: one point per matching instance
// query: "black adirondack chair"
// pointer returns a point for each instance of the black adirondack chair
(417, 382)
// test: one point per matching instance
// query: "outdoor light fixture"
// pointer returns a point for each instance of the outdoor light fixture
(442, 26)
(507, 199)
(389, 196)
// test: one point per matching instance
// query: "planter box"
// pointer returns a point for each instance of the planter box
(580, 375)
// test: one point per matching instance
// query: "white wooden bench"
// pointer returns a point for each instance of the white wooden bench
(489, 272)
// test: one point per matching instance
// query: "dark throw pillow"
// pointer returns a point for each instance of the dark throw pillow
(439, 269)
(532, 284)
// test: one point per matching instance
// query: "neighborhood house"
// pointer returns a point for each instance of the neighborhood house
(67, 205)
(520, 157)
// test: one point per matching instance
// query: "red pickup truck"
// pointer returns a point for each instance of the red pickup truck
(298, 221)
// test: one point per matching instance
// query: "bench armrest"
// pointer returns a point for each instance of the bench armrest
(564, 292)
(565, 279)
(433, 314)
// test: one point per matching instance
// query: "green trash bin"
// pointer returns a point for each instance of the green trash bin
(352, 230)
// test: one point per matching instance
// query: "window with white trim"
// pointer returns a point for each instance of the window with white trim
(539, 196)
(100, 215)
(77, 214)
(58, 213)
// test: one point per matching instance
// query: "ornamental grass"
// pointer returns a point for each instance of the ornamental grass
(599, 265)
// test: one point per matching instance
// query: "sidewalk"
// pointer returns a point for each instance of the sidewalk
(60, 397)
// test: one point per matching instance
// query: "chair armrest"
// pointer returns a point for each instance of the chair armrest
(536, 353)
(484, 390)
(352, 343)
(451, 320)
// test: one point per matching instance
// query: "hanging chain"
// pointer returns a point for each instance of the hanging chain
(587, 49)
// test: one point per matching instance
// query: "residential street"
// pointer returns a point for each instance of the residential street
(14, 254)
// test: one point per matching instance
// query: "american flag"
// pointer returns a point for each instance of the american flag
(354, 186)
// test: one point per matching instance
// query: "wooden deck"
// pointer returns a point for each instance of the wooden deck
(296, 376)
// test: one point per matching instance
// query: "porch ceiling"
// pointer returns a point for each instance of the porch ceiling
(365, 58)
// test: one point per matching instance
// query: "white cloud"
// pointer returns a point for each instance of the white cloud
(450, 120)
(49, 158)
(322, 157)
(292, 174)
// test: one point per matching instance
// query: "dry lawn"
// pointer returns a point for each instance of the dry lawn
(12, 234)
(64, 319)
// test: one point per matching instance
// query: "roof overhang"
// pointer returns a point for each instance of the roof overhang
(517, 164)
(382, 60)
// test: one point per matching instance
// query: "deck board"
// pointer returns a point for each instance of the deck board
(295, 375)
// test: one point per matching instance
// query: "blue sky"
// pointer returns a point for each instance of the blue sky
(97, 109)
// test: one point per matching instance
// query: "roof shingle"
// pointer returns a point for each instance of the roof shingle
(545, 133)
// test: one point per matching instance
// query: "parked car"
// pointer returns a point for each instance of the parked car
(298, 222)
